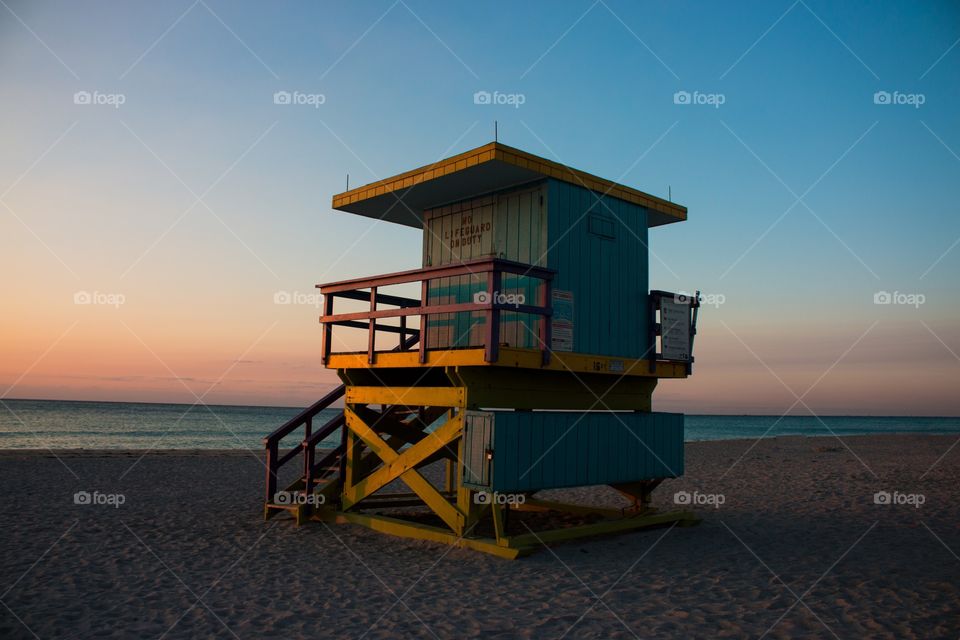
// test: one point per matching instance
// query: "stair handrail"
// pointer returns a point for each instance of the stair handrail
(311, 438)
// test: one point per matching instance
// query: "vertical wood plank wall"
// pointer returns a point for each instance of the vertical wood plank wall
(518, 232)
(544, 450)
(608, 273)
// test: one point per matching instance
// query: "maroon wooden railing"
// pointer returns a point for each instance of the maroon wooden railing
(493, 269)
(307, 446)
(313, 470)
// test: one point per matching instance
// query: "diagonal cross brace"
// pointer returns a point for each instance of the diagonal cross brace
(403, 466)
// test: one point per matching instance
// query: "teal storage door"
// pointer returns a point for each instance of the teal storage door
(532, 450)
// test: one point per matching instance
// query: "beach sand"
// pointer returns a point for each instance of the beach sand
(797, 549)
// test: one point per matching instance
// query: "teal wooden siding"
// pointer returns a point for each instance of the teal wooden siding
(599, 249)
(535, 450)
(517, 231)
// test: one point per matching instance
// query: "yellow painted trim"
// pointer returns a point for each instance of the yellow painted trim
(407, 396)
(509, 357)
(404, 529)
(495, 151)
(394, 359)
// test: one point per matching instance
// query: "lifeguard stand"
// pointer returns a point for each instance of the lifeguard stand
(527, 362)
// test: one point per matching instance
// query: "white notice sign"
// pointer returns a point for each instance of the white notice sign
(562, 321)
(675, 330)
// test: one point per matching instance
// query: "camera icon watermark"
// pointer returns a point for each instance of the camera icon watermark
(99, 298)
(915, 100)
(497, 98)
(715, 100)
(299, 98)
(499, 297)
(297, 297)
(295, 498)
(508, 499)
(899, 298)
(697, 499)
(115, 100)
(714, 300)
(886, 498)
(95, 498)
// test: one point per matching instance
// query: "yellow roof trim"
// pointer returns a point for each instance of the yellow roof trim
(496, 151)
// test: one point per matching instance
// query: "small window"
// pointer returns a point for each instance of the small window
(600, 226)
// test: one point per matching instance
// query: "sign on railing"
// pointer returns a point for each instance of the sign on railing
(674, 325)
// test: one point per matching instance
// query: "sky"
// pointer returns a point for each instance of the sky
(154, 199)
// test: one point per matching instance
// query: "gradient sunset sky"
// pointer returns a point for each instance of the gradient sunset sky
(198, 199)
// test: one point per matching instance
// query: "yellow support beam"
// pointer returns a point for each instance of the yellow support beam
(407, 396)
(511, 357)
(404, 529)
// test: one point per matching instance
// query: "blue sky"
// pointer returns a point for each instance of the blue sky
(805, 197)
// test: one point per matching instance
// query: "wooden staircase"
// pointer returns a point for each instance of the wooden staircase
(319, 481)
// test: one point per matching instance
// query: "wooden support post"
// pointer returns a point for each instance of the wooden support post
(546, 322)
(372, 335)
(350, 466)
(308, 456)
(271, 471)
(451, 466)
(639, 493)
(424, 292)
(326, 337)
(492, 346)
(499, 523)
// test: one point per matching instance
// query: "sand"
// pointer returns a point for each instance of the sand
(798, 548)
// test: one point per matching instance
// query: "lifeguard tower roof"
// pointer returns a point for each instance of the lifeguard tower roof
(493, 167)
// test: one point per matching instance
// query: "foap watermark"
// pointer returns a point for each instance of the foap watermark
(97, 98)
(915, 100)
(97, 499)
(899, 298)
(299, 98)
(697, 499)
(293, 498)
(98, 297)
(886, 498)
(297, 297)
(696, 97)
(509, 499)
(497, 98)
(499, 297)
(706, 299)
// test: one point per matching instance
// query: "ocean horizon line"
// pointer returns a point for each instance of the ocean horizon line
(302, 407)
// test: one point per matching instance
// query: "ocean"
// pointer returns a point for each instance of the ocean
(61, 424)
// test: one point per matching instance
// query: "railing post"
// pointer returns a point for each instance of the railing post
(403, 332)
(424, 290)
(492, 346)
(307, 458)
(271, 470)
(327, 334)
(308, 455)
(371, 336)
(546, 321)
